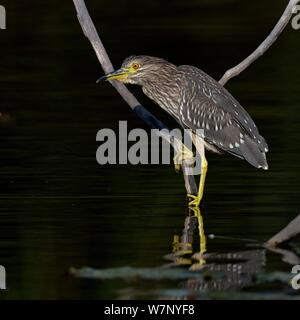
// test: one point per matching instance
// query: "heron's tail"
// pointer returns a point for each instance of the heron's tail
(254, 153)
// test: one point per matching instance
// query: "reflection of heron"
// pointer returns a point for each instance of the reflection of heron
(197, 101)
(183, 246)
(224, 271)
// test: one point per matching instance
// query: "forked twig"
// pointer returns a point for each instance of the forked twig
(264, 46)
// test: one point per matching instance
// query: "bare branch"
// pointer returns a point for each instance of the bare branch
(91, 33)
(265, 45)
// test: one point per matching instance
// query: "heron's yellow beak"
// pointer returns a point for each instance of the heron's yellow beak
(120, 74)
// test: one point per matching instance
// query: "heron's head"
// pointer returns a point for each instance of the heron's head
(140, 70)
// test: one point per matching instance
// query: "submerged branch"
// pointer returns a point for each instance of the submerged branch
(286, 234)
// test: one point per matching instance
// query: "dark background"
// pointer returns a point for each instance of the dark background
(59, 208)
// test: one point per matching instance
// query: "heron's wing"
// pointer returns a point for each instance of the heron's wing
(221, 128)
(205, 86)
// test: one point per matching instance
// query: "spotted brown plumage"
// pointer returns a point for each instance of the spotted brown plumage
(205, 104)
(197, 101)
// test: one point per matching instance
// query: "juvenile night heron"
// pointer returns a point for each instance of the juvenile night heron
(197, 101)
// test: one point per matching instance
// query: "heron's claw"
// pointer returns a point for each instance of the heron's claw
(176, 166)
(185, 154)
(194, 201)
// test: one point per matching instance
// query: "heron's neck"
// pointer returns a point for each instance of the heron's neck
(164, 90)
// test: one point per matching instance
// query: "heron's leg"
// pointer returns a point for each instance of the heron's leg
(184, 154)
(204, 164)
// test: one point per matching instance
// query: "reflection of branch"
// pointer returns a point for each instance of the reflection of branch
(91, 33)
(288, 256)
(286, 234)
(265, 45)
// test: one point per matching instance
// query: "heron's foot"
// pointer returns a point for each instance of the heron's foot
(194, 201)
(185, 154)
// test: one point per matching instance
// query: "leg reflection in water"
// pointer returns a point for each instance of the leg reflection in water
(221, 271)
(183, 253)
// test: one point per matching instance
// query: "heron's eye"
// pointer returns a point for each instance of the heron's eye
(135, 66)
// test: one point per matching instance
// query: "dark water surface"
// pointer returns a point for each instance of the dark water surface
(60, 209)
